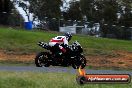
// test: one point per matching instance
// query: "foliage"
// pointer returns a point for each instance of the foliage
(5, 9)
(87, 8)
(45, 11)
(110, 12)
(97, 10)
(74, 11)
(45, 8)
(24, 5)
(15, 19)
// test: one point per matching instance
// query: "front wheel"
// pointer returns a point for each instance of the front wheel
(42, 59)
(79, 61)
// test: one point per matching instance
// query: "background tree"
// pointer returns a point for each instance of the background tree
(87, 7)
(24, 4)
(45, 10)
(5, 10)
(74, 11)
(110, 9)
(126, 13)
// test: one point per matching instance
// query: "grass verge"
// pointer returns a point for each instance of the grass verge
(47, 80)
(23, 42)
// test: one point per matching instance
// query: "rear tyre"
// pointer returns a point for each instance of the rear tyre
(42, 59)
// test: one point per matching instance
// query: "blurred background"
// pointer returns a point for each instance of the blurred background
(99, 18)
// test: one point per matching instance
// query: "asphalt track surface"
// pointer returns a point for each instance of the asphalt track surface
(59, 69)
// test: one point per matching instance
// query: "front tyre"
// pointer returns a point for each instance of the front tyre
(83, 62)
(80, 61)
(42, 59)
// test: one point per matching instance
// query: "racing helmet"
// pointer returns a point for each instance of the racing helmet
(68, 36)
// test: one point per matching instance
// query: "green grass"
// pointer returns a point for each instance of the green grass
(47, 80)
(23, 42)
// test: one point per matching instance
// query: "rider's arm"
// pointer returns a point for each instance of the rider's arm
(65, 41)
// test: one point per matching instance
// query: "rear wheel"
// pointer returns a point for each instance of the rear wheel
(42, 59)
(80, 61)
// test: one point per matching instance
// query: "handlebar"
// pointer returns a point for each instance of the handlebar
(44, 45)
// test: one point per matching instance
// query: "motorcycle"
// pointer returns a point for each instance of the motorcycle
(73, 56)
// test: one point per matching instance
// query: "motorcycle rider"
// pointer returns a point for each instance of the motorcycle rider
(61, 42)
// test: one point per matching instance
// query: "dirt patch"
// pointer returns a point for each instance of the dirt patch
(16, 57)
(124, 59)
